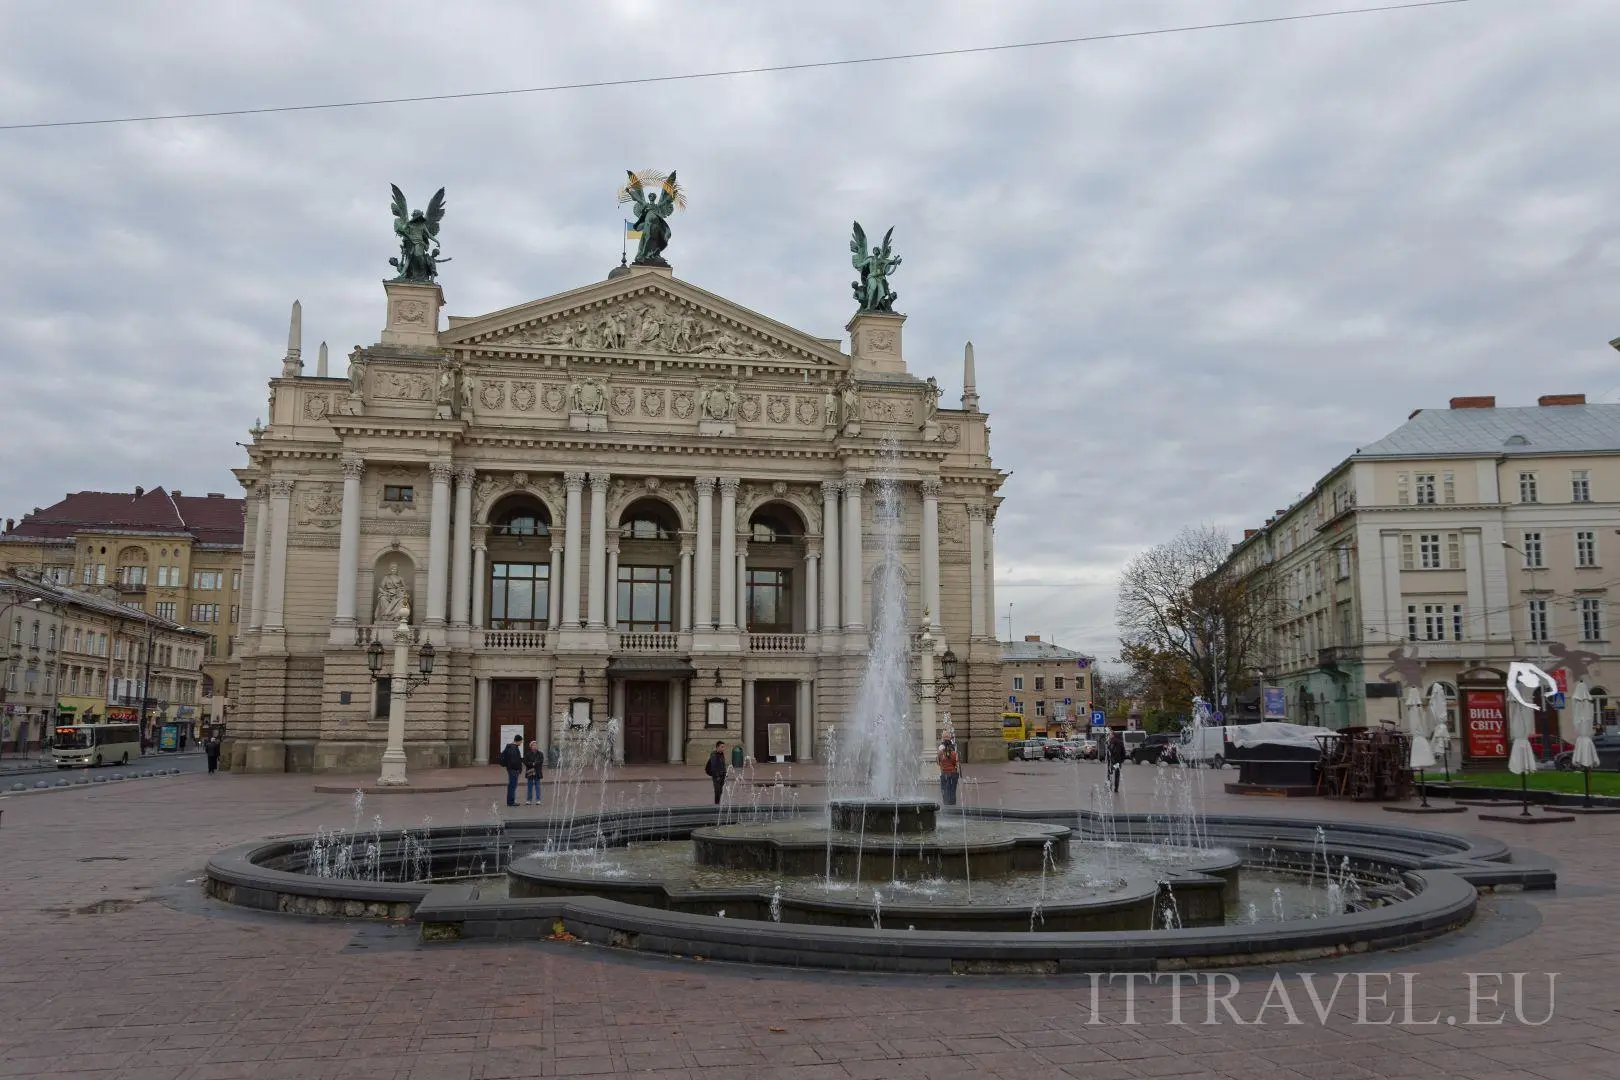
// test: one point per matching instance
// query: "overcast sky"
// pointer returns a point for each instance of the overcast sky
(1198, 269)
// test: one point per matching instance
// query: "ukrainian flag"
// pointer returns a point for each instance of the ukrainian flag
(631, 232)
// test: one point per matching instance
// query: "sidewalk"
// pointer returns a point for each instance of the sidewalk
(431, 781)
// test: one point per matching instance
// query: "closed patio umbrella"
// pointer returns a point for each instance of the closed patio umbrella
(1417, 726)
(1521, 759)
(1585, 756)
(1440, 737)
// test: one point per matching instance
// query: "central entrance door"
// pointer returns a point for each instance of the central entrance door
(775, 703)
(511, 704)
(646, 721)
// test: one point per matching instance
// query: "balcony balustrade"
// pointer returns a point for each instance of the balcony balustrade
(649, 643)
(512, 640)
(776, 643)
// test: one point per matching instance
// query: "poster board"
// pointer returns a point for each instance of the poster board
(579, 712)
(714, 715)
(778, 740)
(510, 732)
(1485, 733)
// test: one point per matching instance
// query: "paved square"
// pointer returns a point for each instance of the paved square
(113, 965)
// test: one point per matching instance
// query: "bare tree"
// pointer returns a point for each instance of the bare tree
(1182, 607)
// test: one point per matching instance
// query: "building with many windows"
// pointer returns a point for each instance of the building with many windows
(635, 500)
(175, 556)
(1467, 538)
(1050, 685)
(78, 652)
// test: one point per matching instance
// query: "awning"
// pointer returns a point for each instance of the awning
(641, 667)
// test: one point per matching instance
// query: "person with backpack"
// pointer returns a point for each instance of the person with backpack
(950, 771)
(534, 767)
(716, 768)
(512, 761)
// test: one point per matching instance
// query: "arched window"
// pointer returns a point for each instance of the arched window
(523, 521)
(648, 519)
(770, 526)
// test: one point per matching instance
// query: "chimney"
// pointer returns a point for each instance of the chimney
(1561, 399)
(1486, 402)
(176, 493)
(11, 523)
(1247, 533)
(139, 491)
(216, 495)
(1032, 637)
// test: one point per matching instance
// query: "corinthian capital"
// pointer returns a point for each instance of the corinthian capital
(599, 482)
(575, 481)
(930, 489)
(830, 489)
(704, 485)
(975, 511)
(441, 471)
(728, 487)
(466, 475)
(354, 466)
(281, 489)
(853, 485)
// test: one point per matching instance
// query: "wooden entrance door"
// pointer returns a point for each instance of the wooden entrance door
(646, 722)
(511, 703)
(774, 703)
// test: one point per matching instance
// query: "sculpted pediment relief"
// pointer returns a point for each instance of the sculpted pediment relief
(655, 320)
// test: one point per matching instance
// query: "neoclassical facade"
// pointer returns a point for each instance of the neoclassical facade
(634, 500)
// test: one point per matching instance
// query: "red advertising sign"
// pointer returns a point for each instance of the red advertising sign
(1486, 723)
(1561, 677)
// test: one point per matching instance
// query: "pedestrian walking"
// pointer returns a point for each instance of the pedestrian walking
(534, 767)
(950, 771)
(512, 761)
(1116, 758)
(716, 768)
(211, 748)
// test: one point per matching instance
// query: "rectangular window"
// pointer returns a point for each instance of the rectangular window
(1018, 682)
(213, 648)
(1585, 548)
(770, 601)
(1456, 622)
(87, 574)
(210, 580)
(1532, 551)
(1425, 488)
(379, 710)
(1408, 560)
(644, 599)
(1427, 623)
(1411, 622)
(1429, 550)
(78, 640)
(165, 610)
(236, 612)
(101, 573)
(519, 596)
(1403, 491)
(1040, 707)
(398, 493)
(236, 581)
(1448, 487)
(132, 575)
(1580, 486)
(1040, 682)
(1453, 551)
(1057, 682)
(1591, 618)
(1527, 487)
(1538, 619)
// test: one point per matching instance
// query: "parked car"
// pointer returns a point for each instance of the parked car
(1027, 750)
(1150, 749)
(1608, 751)
(1074, 749)
(1053, 749)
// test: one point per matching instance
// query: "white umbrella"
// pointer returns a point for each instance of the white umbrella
(1440, 737)
(1521, 721)
(1585, 756)
(1417, 726)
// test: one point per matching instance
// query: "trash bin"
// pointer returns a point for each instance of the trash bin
(736, 756)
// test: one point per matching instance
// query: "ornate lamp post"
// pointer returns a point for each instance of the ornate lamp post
(401, 684)
(928, 691)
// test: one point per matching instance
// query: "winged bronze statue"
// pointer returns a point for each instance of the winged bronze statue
(418, 238)
(652, 215)
(872, 290)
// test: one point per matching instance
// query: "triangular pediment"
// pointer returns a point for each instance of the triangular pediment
(643, 313)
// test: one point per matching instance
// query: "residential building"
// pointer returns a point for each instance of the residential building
(634, 500)
(175, 556)
(1049, 684)
(79, 652)
(1466, 539)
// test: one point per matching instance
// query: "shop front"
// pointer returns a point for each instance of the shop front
(1483, 708)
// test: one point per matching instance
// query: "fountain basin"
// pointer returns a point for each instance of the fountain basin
(884, 817)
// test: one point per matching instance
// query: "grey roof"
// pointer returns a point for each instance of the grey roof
(1543, 429)
(1038, 650)
(64, 594)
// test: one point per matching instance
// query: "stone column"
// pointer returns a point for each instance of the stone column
(481, 721)
(748, 716)
(728, 553)
(261, 556)
(832, 540)
(812, 560)
(480, 574)
(438, 542)
(702, 588)
(742, 581)
(554, 584)
(611, 582)
(354, 468)
(573, 529)
(803, 742)
(976, 568)
(275, 595)
(542, 715)
(685, 623)
(461, 557)
(930, 551)
(854, 603)
(676, 736)
(596, 591)
(990, 571)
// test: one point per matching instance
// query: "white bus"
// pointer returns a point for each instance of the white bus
(96, 744)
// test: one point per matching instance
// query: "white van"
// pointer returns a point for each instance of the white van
(1204, 746)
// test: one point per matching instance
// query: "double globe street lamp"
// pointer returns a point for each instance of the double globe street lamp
(401, 685)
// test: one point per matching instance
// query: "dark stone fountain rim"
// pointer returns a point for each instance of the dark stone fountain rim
(1041, 832)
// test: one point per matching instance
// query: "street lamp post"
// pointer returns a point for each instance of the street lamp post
(929, 691)
(401, 684)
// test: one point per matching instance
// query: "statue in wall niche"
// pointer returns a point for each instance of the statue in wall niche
(829, 408)
(872, 290)
(393, 599)
(589, 396)
(931, 395)
(466, 395)
(447, 384)
(850, 398)
(418, 234)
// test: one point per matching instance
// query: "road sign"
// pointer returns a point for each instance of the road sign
(1068, 701)
(1556, 701)
(1098, 717)
(1275, 703)
(1218, 719)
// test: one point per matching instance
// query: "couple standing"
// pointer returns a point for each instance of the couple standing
(530, 762)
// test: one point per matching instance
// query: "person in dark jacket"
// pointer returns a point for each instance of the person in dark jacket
(1116, 758)
(211, 748)
(716, 768)
(512, 761)
(534, 767)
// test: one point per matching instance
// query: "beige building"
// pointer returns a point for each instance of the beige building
(635, 500)
(1048, 684)
(175, 556)
(80, 653)
(1468, 538)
